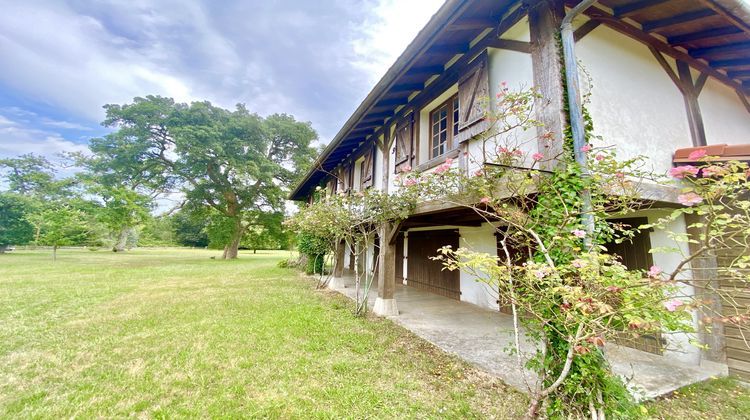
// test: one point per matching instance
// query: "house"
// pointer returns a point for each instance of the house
(668, 76)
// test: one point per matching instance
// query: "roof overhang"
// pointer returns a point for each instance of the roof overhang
(713, 36)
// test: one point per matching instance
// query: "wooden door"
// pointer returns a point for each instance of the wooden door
(427, 274)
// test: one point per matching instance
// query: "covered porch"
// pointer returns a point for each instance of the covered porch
(480, 335)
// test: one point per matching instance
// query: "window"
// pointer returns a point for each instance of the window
(443, 127)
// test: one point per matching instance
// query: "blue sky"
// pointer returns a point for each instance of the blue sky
(63, 60)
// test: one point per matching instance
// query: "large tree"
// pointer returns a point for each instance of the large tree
(236, 163)
(34, 176)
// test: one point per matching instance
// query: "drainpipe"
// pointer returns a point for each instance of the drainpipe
(575, 110)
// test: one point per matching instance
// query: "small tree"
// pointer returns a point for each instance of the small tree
(15, 228)
(61, 225)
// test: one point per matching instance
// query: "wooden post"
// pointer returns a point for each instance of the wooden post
(705, 273)
(695, 119)
(338, 269)
(385, 304)
(545, 17)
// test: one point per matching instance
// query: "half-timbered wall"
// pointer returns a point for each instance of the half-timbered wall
(637, 107)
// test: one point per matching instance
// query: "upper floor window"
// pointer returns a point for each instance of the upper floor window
(443, 127)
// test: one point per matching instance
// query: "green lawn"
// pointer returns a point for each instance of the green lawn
(174, 333)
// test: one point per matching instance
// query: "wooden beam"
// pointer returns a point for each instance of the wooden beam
(407, 87)
(703, 35)
(745, 26)
(392, 102)
(660, 45)
(653, 25)
(740, 74)
(512, 45)
(480, 23)
(585, 29)
(635, 7)
(734, 62)
(695, 119)
(545, 18)
(667, 69)
(728, 48)
(699, 83)
(453, 48)
(425, 71)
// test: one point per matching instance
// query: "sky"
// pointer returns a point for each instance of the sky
(317, 60)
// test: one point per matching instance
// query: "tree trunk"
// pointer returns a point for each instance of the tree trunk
(232, 248)
(122, 240)
(54, 253)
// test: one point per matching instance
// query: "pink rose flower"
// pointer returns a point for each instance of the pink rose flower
(689, 199)
(620, 175)
(680, 172)
(484, 200)
(599, 157)
(673, 304)
(410, 182)
(445, 167)
(406, 168)
(517, 152)
(502, 149)
(654, 272)
(449, 161)
(578, 233)
(586, 148)
(479, 173)
(537, 156)
(712, 171)
(697, 154)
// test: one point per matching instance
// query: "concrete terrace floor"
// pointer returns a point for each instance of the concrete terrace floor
(480, 335)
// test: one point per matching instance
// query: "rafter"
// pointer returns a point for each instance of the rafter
(425, 71)
(703, 35)
(729, 48)
(407, 87)
(658, 44)
(733, 62)
(478, 23)
(653, 25)
(585, 29)
(635, 7)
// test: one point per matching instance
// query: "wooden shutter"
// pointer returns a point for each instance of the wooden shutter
(368, 173)
(633, 252)
(404, 142)
(473, 100)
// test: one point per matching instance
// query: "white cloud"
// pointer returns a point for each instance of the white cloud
(18, 139)
(392, 25)
(67, 125)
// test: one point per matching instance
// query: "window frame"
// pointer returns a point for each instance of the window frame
(452, 126)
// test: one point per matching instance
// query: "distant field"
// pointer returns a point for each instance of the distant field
(174, 333)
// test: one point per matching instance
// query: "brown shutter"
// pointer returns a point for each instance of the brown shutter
(404, 142)
(368, 175)
(473, 100)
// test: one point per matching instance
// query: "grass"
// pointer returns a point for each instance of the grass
(173, 333)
